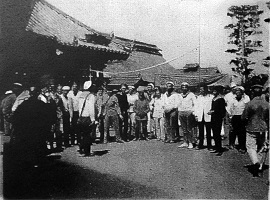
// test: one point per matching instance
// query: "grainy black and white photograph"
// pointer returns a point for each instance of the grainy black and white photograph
(134, 99)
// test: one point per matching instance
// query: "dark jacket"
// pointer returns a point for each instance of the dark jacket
(123, 102)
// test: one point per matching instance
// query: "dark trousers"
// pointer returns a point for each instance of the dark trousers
(201, 133)
(238, 130)
(216, 128)
(141, 129)
(86, 138)
(101, 128)
(74, 127)
(187, 120)
(171, 124)
(123, 126)
(66, 128)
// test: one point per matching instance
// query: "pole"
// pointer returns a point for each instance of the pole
(199, 44)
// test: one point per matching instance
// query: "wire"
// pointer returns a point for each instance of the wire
(138, 70)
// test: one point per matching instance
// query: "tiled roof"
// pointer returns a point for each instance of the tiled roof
(192, 80)
(224, 81)
(51, 22)
(138, 60)
(191, 66)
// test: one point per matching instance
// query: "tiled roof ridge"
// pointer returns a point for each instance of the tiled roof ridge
(70, 17)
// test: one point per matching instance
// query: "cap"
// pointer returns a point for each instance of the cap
(17, 84)
(8, 92)
(257, 86)
(114, 90)
(131, 87)
(140, 89)
(151, 84)
(232, 85)
(87, 85)
(184, 83)
(65, 88)
(240, 88)
(170, 82)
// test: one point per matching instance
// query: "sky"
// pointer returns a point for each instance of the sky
(175, 26)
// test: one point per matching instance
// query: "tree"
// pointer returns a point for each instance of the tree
(245, 24)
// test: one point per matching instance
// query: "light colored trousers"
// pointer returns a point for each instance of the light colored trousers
(132, 123)
(150, 123)
(255, 143)
(159, 129)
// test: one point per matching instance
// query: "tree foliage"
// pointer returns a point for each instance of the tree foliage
(245, 24)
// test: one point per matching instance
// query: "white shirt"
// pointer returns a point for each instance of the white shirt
(75, 99)
(89, 109)
(171, 101)
(187, 102)
(131, 100)
(228, 99)
(157, 105)
(202, 107)
(67, 103)
(237, 107)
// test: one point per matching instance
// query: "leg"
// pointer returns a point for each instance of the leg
(216, 125)
(208, 135)
(101, 129)
(157, 127)
(106, 128)
(144, 128)
(137, 130)
(233, 132)
(7, 127)
(201, 133)
(183, 121)
(66, 127)
(126, 136)
(162, 129)
(115, 122)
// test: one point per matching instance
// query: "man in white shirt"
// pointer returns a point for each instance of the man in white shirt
(170, 112)
(87, 108)
(186, 115)
(202, 107)
(132, 97)
(74, 94)
(67, 111)
(236, 109)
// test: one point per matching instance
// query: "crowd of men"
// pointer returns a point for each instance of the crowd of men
(51, 115)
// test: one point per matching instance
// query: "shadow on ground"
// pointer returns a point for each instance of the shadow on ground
(54, 178)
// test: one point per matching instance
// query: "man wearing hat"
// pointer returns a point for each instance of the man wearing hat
(141, 108)
(186, 115)
(6, 106)
(74, 94)
(67, 111)
(171, 99)
(235, 111)
(112, 114)
(132, 97)
(87, 109)
(256, 117)
(150, 92)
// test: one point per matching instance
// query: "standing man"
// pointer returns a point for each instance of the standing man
(88, 109)
(150, 92)
(123, 104)
(171, 100)
(67, 111)
(6, 106)
(202, 107)
(102, 99)
(217, 113)
(236, 109)
(74, 95)
(132, 97)
(112, 114)
(186, 115)
(256, 116)
(141, 108)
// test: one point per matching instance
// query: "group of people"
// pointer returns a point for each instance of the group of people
(67, 116)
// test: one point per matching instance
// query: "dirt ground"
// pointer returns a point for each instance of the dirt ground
(139, 169)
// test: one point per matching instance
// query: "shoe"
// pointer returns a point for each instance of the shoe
(184, 145)
(135, 139)
(147, 139)
(219, 153)
(231, 147)
(172, 141)
(190, 146)
(255, 170)
(242, 151)
(214, 151)
(199, 147)
(167, 141)
(119, 141)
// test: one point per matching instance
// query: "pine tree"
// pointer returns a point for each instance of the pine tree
(245, 24)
